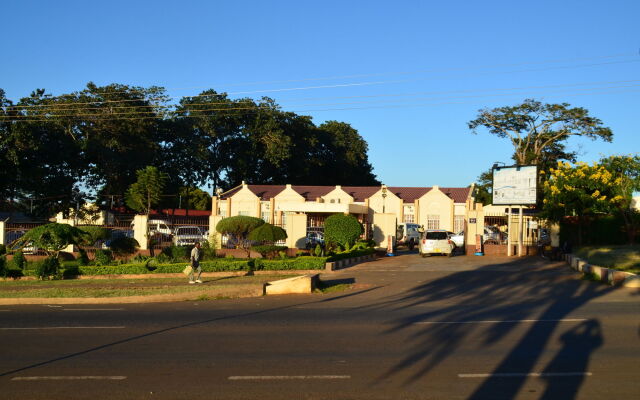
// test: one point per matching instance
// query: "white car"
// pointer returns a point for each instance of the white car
(436, 242)
(457, 239)
(188, 235)
(408, 234)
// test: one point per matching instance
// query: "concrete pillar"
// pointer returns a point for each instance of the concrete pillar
(258, 208)
(228, 206)
(213, 221)
(383, 226)
(2, 233)
(272, 210)
(401, 212)
(520, 233)
(140, 231)
(296, 231)
(416, 211)
(214, 205)
(279, 220)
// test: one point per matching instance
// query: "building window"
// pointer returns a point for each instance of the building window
(245, 213)
(408, 215)
(265, 211)
(458, 223)
(433, 221)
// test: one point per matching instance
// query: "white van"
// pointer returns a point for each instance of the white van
(160, 226)
(408, 234)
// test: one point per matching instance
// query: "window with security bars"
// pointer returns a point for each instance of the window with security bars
(433, 221)
(458, 223)
(265, 215)
(408, 215)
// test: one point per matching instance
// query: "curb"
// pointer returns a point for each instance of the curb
(348, 262)
(606, 275)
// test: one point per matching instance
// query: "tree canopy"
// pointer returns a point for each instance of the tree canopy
(58, 150)
(539, 130)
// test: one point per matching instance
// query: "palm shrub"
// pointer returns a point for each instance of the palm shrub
(343, 230)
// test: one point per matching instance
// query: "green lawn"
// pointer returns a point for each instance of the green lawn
(623, 258)
(129, 287)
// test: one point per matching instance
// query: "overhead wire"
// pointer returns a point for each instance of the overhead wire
(594, 91)
(413, 94)
(341, 85)
(352, 76)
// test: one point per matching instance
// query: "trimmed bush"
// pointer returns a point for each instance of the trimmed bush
(219, 265)
(124, 246)
(177, 253)
(342, 229)
(84, 259)
(18, 260)
(47, 268)
(93, 234)
(267, 233)
(268, 251)
(103, 257)
(3, 249)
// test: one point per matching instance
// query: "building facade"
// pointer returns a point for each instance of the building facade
(299, 208)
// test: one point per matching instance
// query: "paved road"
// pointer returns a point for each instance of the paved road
(435, 328)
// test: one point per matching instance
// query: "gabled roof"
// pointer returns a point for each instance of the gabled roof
(359, 193)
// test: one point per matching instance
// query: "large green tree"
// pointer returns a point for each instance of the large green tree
(534, 128)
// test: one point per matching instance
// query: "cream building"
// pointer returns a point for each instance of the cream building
(299, 208)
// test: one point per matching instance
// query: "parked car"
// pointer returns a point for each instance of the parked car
(188, 235)
(408, 234)
(314, 238)
(493, 235)
(457, 239)
(436, 241)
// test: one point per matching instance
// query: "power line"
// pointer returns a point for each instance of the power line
(342, 85)
(352, 76)
(268, 107)
(253, 110)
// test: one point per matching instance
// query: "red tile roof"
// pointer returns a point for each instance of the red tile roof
(359, 193)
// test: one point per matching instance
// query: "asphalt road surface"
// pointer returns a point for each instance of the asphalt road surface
(436, 328)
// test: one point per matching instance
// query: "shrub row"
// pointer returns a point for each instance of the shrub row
(218, 265)
(297, 263)
(350, 254)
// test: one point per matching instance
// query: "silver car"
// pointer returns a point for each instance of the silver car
(436, 242)
(188, 236)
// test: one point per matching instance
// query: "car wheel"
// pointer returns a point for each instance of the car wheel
(450, 254)
(411, 245)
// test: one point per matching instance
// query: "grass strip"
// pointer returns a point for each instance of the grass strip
(623, 258)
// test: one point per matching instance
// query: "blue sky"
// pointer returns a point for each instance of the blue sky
(408, 75)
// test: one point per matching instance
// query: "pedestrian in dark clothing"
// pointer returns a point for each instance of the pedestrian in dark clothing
(195, 264)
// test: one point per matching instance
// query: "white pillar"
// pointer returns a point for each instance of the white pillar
(520, 233)
(509, 233)
(2, 233)
(140, 231)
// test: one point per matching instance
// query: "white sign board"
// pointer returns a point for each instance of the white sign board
(515, 185)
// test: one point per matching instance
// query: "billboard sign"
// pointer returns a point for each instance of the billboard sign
(515, 185)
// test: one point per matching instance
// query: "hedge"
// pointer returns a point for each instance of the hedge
(207, 266)
(350, 254)
(297, 263)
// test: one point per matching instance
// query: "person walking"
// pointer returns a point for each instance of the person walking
(195, 264)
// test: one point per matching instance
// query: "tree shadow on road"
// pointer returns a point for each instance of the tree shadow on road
(488, 304)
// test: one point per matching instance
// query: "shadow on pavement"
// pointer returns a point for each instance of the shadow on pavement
(512, 292)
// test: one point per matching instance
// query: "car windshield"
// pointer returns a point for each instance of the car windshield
(436, 235)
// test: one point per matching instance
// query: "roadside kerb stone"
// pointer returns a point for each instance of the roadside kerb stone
(348, 262)
(605, 275)
(297, 284)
